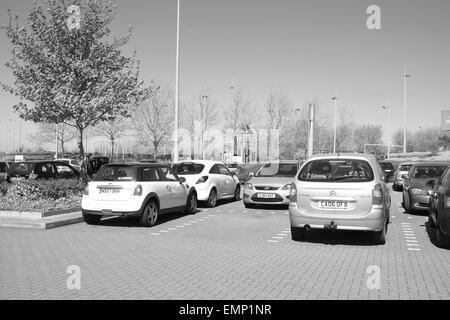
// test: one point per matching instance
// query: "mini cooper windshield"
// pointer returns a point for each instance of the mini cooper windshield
(116, 173)
(337, 170)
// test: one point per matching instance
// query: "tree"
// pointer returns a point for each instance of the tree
(112, 130)
(67, 70)
(367, 134)
(48, 132)
(153, 118)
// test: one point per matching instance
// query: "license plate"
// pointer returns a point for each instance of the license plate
(266, 195)
(104, 190)
(334, 204)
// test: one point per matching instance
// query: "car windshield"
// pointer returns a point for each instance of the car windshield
(427, 172)
(185, 168)
(64, 161)
(232, 165)
(405, 167)
(116, 173)
(20, 167)
(278, 169)
(337, 170)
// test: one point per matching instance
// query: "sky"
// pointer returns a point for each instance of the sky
(303, 48)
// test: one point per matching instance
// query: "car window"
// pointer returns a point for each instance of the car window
(150, 174)
(223, 170)
(337, 170)
(405, 167)
(63, 169)
(20, 167)
(278, 169)
(387, 166)
(75, 163)
(47, 168)
(116, 173)
(427, 172)
(214, 169)
(3, 167)
(186, 168)
(443, 180)
(168, 174)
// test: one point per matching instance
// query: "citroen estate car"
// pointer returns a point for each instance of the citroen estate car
(270, 184)
(340, 192)
(212, 180)
(141, 190)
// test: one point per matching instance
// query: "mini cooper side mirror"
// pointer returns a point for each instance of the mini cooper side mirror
(182, 180)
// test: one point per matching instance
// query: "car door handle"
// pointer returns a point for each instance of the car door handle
(168, 188)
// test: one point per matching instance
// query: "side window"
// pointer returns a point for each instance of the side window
(168, 174)
(214, 169)
(444, 179)
(150, 174)
(47, 168)
(223, 170)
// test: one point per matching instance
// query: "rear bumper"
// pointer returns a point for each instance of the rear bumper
(372, 221)
(111, 208)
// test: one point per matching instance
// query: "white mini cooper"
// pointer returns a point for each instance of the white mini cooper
(144, 190)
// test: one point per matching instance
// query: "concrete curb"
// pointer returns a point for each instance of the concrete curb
(42, 223)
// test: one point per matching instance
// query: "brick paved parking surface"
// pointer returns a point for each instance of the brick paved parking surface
(227, 252)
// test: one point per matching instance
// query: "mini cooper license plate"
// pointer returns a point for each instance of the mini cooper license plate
(266, 195)
(109, 190)
(333, 204)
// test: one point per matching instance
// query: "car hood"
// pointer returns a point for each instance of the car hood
(422, 183)
(271, 180)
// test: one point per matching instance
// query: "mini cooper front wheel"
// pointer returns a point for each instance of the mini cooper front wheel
(212, 199)
(191, 205)
(150, 215)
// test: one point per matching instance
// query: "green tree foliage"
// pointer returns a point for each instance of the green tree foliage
(67, 67)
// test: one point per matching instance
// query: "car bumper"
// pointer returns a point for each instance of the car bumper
(281, 197)
(372, 221)
(131, 207)
(420, 202)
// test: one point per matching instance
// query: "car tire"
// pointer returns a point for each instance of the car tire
(212, 198)
(249, 205)
(298, 233)
(91, 218)
(406, 204)
(149, 216)
(379, 237)
(191, 205)
(430, 220)
(442, 240)
(237, 193)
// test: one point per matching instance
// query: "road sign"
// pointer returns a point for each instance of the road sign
(445, 120)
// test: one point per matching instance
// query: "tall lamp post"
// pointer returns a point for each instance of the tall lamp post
(177, 72)
(204, 97)
(388, 109)
(335, 120)
(406, 76)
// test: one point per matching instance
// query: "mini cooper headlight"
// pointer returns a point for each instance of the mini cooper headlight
(248, 185)
(286, 187)
(419, 192)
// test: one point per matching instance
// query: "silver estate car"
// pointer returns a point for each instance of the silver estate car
(340, 192)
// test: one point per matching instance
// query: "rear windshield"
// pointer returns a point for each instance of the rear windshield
(188, 168)
(278, 169)
(386, 166)
(20, 167)
(116, 173)
(337, 170)
(426, 172)
(405, 167)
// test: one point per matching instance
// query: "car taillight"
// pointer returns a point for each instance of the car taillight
(202, 179)
(377, 195)
(293, 193)
(446, 202)
(137, 190)
(32, 176)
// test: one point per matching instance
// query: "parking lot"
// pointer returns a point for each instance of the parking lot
(227, 252)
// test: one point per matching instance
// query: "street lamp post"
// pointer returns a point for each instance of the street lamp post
(335, 120)
(177, 72)
(388, 108)
(204, 97)
(404, 110)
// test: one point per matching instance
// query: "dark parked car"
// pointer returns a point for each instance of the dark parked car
(439, 210)
(95, 163)
(419, 182)
(388, 168)
(40, 170)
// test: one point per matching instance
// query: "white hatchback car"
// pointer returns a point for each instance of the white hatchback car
(143, 190)
(212, 180)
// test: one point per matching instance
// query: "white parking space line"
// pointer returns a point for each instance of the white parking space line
(211, 215)
(277, 237)
(200, 219)
(414, 249)
(180, 226)
(163, 231)
(154, 234)
(272, 241)
(187, 224)
(193, 221)
(285, 231)
(258, 211)
(410, 238)
(282, 234)
(218, 210)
